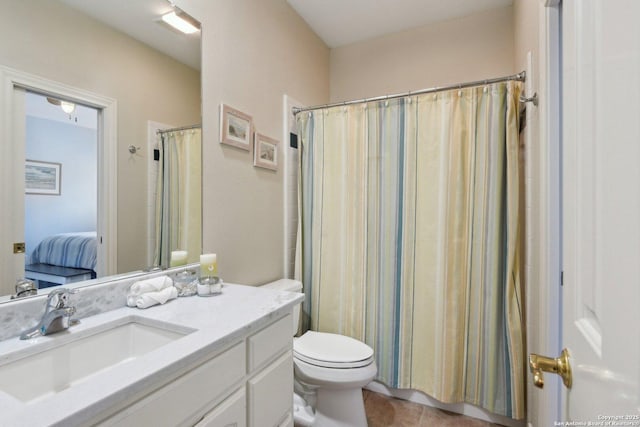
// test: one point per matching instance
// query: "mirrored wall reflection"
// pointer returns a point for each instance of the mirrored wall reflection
(178, 201)
(60, 185)
(71, 43)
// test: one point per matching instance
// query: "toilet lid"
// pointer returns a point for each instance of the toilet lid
(332, 350)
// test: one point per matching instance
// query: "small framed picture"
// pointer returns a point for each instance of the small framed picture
(235, 128)
(265, 152)
(42, 177)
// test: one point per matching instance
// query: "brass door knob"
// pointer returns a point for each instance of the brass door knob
(560, 365)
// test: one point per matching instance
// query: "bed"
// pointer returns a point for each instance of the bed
(64, 258)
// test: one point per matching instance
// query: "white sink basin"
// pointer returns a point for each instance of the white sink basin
(70, 358)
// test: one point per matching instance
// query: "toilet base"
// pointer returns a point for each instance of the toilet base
(334, 394)
(340, 408)
(335, 408)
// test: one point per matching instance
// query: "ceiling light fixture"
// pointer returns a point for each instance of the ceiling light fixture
(67, 107)
(181, 21)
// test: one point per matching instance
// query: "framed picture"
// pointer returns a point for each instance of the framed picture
(265, 152)
(42, 177)
(235, 128)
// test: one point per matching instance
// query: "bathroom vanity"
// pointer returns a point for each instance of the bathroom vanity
(224, 360)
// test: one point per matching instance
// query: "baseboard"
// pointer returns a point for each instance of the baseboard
(459, 408)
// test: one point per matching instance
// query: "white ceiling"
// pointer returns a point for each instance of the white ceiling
(139, 19)
(340, 22)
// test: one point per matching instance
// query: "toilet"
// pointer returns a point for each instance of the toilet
(329, 373)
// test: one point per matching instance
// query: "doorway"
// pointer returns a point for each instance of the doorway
(61, 190)
(13, 90)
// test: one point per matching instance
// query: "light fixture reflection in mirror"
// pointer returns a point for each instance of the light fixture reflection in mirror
(66, 106)
(181, 22)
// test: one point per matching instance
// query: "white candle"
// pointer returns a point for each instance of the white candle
(178, 258)
(208, 265)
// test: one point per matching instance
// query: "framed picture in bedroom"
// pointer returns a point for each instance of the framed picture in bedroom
(265, 152)
(42, 177)
(235, 128)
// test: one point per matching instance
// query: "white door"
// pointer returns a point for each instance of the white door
(601, 209)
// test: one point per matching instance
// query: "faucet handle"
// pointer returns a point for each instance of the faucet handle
(59, 298)
(25, 287)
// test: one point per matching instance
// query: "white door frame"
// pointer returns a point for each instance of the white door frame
(545, 407)
(107, 164)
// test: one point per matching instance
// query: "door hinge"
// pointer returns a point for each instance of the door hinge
(562, 278)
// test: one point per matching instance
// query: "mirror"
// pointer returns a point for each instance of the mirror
(58, 41)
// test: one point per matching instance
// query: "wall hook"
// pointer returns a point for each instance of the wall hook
(533, 98)
(133, 149)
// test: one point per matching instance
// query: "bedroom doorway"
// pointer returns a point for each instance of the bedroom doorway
(14, 87)
(61, 190)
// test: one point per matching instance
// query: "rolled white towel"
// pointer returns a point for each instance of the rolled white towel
(152, 298)
(151, 285)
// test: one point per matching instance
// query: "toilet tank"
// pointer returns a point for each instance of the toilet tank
(288, 285)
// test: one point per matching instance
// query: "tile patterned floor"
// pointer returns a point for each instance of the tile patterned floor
(384, 411)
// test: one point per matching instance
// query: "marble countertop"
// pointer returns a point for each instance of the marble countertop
(217, 322)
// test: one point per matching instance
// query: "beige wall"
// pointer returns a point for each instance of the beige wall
(465, 49)
(525, 31)
(43, 37)
(254, 52)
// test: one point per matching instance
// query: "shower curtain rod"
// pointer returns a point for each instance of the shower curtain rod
(521, 76)
(177, 129)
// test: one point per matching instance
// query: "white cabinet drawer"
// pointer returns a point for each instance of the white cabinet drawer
(271, 393)
(182, 400)
(269, 342)
(230, 413)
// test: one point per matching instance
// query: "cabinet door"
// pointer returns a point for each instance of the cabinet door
(230, 413)
(271, 393)
(269, 342)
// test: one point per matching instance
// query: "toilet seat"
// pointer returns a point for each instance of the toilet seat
(332, 351)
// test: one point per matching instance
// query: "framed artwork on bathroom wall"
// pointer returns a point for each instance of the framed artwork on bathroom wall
(265, 152)
(42, 178)
(235, 128)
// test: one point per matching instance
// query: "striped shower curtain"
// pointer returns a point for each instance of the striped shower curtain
(410, 239)
(178, 218)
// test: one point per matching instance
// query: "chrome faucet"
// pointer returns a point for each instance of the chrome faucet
(24, 288)
(56, 317)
